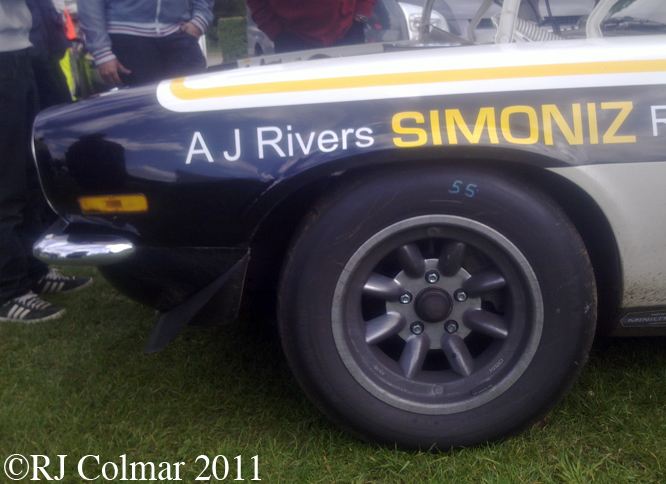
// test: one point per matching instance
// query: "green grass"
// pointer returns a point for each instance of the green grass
(80, 385)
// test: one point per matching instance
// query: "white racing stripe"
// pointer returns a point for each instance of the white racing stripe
(428, 72)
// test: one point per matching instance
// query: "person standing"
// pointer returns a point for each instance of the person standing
(141, 41)
(22, 204)
(49, 45)
(298, 25)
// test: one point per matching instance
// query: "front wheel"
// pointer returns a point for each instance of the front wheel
(439, 307)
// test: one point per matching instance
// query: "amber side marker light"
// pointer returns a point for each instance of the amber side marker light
(114, 204)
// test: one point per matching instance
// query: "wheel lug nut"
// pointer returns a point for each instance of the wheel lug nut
(405, 298)
(432, 277)
(460, 295)
(417, 327)
(451, 326)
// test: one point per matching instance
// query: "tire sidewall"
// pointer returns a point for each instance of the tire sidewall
(348, 216)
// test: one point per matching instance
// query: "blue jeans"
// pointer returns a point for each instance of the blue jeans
(152, 59)
(22, 205)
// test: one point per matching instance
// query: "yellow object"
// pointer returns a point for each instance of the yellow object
(66, 66)
(185, 93)
(114, 204)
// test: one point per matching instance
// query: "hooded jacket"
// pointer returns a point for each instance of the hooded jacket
(145, 18)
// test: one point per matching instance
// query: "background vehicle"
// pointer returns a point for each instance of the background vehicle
(441, 222)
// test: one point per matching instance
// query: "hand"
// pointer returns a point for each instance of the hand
(111, 70)
(190, 28)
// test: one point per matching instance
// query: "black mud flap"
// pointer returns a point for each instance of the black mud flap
(171, 323)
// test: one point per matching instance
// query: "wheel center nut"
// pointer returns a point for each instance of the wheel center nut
(433, 305)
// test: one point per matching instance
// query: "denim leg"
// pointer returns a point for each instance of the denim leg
(181, 54)
(21, 201)
(141, 56)
(152, 59)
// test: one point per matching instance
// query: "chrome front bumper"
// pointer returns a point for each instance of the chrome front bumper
(93, 250)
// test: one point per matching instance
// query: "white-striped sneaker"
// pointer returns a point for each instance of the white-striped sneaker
(29, 308)
(53, 281)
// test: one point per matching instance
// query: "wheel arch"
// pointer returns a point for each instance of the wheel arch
(598, 237)
(275, 230)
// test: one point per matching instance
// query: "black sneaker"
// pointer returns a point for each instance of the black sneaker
(56, 282)
(29, 308)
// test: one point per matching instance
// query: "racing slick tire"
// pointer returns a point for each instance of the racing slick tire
(436, 306)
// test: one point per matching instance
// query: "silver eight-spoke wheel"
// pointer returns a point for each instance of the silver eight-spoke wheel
(442, 315)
